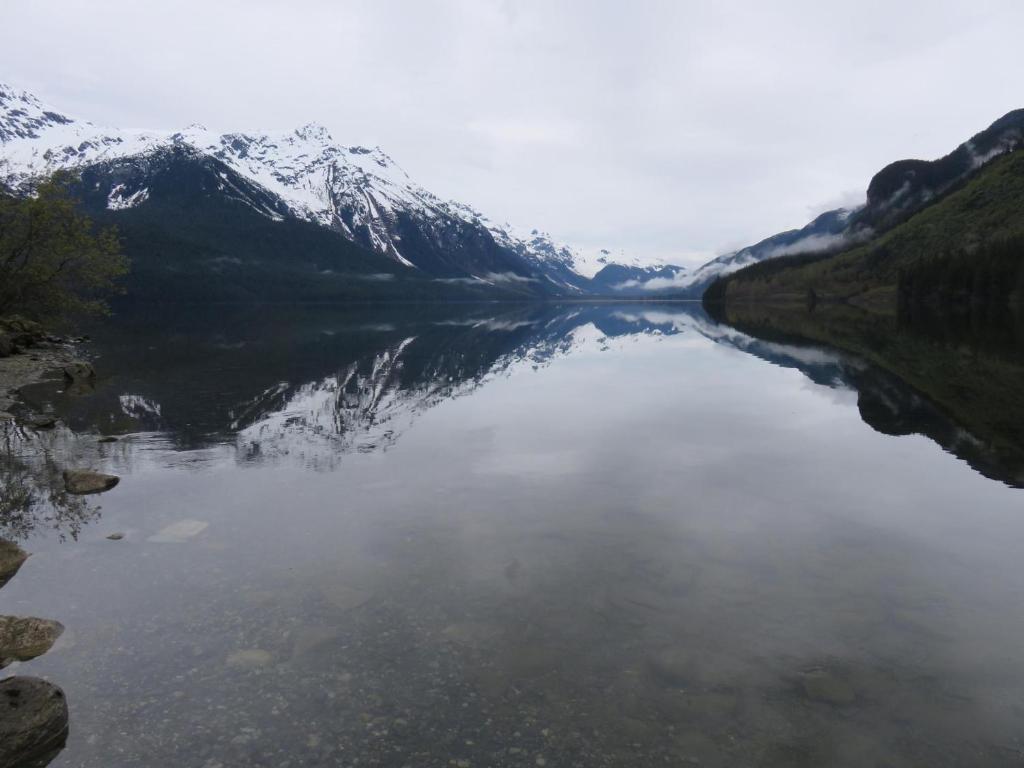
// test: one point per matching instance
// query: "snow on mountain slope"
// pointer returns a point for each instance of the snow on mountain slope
(360, 192)
(543, 252)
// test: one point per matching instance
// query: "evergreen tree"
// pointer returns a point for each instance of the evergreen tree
(53, 261)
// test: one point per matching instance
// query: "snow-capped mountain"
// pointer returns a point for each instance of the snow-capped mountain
(541, 249)
(358, 192)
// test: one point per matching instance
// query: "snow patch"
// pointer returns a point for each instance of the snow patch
(118, 200)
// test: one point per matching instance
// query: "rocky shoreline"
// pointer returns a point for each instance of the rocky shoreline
(33, 711)
(27, 355)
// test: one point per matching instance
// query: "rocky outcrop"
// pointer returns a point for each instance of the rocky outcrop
(33, 721)
(17, 334)
(83, 481)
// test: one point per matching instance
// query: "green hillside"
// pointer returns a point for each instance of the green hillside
(969, 244)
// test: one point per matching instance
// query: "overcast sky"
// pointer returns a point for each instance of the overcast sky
(672, 129)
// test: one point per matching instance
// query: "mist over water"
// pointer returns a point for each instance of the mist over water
(497, 535)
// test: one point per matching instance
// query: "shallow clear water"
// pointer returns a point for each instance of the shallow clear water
(573, 536)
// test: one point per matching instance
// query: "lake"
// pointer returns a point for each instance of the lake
(500, 535)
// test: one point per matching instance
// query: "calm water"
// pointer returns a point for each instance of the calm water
(490, 536)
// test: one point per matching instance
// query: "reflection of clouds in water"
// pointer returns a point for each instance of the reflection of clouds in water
(624, 550)
(370, 405)
(804, 355)
(488, 323)
(677, 322)
(552, 464)
(839, 392)
(351, 392)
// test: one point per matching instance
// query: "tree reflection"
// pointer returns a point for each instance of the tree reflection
(32, 495)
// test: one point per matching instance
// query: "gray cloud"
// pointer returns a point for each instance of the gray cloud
(664, 127)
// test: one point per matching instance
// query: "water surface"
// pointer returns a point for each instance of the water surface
(567, 536)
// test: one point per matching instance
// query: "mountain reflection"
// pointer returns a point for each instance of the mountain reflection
(315, 384)
(955, 379)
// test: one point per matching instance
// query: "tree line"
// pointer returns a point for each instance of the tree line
(991, 274)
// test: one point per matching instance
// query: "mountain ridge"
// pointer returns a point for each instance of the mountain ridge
(965, 248)
(358, 192)
(894, 194)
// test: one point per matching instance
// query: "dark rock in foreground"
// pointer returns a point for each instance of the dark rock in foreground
(22, 639)
(82, 481)
(33, 722)
(11, 558)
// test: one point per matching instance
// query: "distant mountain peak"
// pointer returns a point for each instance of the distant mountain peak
(314, 132)
(23, 116)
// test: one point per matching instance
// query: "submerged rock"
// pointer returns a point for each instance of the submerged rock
(673, 667)
(346, 598)
(107, 439)
(11, 558)
(22, 639)
(825, 686)
(179, 532)
(82, 481)
(33, 721)
(79, 370)
(79, 377)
